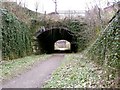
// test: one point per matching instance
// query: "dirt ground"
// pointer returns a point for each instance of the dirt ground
(36, 77)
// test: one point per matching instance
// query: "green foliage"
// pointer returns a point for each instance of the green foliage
(35, 25)
(80, 30)
(20, 65)
(16, 37)
(106, 49)
(77, 71)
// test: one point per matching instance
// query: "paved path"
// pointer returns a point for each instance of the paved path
(36, 77)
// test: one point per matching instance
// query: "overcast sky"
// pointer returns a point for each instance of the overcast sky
(49, 6)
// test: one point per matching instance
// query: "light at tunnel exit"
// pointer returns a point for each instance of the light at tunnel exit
(62, 45)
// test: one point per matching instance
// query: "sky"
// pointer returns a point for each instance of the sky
(49, 6)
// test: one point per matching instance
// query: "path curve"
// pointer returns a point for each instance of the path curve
(36, 77)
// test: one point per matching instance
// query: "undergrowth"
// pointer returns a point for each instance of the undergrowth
(77, 71)
(17, 66)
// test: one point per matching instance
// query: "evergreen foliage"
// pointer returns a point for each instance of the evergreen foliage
(81, 31)
(106, 49)
(16, 37)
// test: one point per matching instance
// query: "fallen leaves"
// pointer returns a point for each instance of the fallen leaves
(77, 72)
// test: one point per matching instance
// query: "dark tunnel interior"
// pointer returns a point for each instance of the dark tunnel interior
(47, 38)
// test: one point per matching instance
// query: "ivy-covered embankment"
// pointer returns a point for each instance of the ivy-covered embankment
(16, 38)
(106, 49)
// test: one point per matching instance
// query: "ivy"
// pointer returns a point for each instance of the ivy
(80, 30)
(16, 39)
(107, 46)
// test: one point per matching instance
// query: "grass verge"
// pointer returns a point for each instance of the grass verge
(77, 71)
(17, 66)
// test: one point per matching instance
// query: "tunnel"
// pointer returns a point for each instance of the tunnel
(46, 39)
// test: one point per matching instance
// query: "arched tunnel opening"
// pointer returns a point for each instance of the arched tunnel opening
(47, 39)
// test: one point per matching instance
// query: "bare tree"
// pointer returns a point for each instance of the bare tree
(24, 4)
(55, 1)
(36, 7)
(19, 2)
(95, 17)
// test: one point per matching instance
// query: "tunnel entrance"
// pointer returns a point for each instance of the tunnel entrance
(47, 39)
